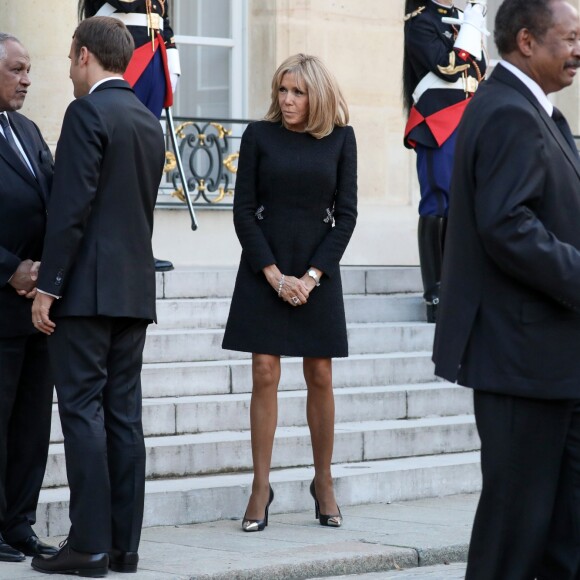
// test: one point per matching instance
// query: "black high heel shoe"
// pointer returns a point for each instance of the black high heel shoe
(325, 520)
(258, 525)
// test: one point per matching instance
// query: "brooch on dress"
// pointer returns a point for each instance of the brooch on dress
(329, 219)
(258, 213)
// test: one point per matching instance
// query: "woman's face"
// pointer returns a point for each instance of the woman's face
(293, 101)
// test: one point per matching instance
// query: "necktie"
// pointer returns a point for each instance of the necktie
(10, 138)
(562, 124)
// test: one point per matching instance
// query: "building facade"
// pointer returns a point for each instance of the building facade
(229, 51)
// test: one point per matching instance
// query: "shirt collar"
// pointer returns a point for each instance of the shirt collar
(534, 87)
(98, 83)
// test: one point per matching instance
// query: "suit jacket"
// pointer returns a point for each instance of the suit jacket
(23, 201)
(509, 319)
(97, 252)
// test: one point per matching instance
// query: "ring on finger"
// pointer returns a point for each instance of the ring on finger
(295, 299)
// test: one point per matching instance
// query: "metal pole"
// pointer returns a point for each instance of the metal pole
(171, 128)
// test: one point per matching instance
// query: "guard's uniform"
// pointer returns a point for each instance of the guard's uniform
(155, 58)
(443, 80)
(439, 79)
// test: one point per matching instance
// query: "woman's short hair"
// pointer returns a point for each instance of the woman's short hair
(326, 105)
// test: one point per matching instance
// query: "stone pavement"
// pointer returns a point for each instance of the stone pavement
(415, 539)
(439, 572)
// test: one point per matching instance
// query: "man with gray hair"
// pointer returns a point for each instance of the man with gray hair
(25, 380)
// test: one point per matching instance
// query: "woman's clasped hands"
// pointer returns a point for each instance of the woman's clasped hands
(293, 290)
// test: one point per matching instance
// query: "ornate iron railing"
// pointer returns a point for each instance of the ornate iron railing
(209, 150)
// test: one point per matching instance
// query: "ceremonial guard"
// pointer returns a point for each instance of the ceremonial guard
(154, 69)
(443, 65)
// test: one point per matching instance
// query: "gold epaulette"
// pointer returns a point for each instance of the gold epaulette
(413, 14)
(451, 69)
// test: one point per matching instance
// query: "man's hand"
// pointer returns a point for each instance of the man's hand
(24, 279)
(41, 311)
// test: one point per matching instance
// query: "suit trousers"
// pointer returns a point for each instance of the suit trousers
(530, 462)
(26, 389)
(97, 365)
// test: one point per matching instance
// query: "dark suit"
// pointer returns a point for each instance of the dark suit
(509, 323)
(98, 257)
(25, 381)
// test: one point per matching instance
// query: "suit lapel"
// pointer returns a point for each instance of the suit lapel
(501, 74)
(27, 144)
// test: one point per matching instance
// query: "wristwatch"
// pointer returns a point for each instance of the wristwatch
(312, 273)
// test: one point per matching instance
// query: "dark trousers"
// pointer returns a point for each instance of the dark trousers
(530, 462)
(25, 413)
(97, 364)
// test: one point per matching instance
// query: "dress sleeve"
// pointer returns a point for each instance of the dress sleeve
(329, 253)
(256, 248)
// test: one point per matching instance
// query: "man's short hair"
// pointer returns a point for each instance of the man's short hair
(107, 39)
(4, 38)
(514, 15)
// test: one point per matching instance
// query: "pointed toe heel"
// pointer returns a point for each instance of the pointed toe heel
(258, 525)
(332, 521)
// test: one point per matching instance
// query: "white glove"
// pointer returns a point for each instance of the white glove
(174, 78)
(174, 67)
(472, 28)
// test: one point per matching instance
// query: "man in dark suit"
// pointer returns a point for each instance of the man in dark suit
(509, 324)
(96, 296)
(25, 381)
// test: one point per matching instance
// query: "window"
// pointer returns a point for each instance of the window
(492, 7)
(210, 36)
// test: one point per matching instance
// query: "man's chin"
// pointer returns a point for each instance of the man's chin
(16, 104)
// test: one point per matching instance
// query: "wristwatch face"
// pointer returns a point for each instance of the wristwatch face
(313, 275)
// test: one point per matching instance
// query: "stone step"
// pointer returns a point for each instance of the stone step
(207, 413)
(234, 376)
(213, 312)
(226, 451)
(187, 345)
(224, 496)
(219, 282)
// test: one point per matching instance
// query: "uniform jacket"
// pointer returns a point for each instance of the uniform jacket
(139, 33)
(23, 200)
(429, 48)
(509, 318)
(97, 252)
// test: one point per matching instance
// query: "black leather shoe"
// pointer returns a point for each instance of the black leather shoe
(163, 265)
(32, 546)
(123, 561)
(69, 561)
(9, 554)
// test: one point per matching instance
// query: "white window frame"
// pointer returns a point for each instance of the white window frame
(238, 45)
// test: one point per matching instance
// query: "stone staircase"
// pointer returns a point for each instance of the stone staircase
(400, 434)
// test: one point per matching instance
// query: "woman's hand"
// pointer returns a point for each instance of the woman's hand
(294, 291)
(291, 289)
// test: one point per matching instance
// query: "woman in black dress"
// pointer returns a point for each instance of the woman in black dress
(295, 209)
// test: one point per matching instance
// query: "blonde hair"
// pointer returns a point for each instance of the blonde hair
(326, 105)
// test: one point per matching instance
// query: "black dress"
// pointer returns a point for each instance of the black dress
(295, 206)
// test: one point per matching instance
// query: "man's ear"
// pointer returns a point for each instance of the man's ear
(525, 41)
(84, 55)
